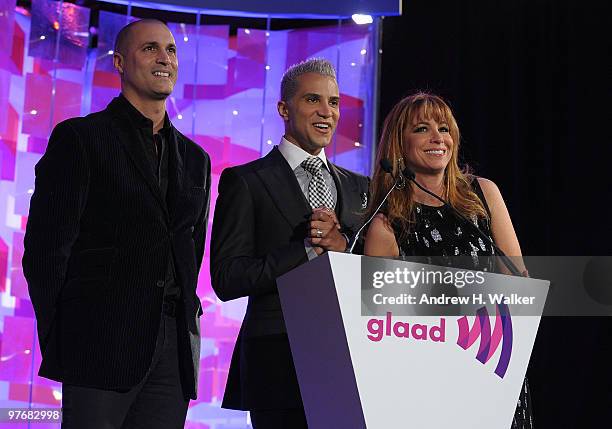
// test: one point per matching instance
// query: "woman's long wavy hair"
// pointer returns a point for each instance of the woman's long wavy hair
(457, 181)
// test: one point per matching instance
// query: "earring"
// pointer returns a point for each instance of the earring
(401, 180)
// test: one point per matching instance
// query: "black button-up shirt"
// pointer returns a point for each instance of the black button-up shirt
(156, 148)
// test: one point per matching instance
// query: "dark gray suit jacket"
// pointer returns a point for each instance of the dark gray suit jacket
(258, 235)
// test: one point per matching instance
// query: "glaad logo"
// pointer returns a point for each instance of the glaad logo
(502, 332)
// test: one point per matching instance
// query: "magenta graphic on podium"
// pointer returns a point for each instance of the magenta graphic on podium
(489, 342)
(391, 370)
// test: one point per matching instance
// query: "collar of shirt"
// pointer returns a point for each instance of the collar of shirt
(140, 120)
(295, 155)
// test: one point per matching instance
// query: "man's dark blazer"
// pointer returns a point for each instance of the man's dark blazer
(97, 245)
(258, 235)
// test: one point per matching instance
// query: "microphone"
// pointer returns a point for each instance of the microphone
(409, 174)
(385, 164)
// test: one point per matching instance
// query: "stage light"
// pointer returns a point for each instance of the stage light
(186, 39)
(57, 394)
(362, 19)
(179, 116)
(267, 67)
(43, 37)
(363, 52)
(235, 112)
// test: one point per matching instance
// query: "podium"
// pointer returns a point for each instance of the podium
(443, 374)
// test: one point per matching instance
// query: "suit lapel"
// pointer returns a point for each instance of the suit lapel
(284, 188)
(346, 192)
(176, 157)
(130, 140)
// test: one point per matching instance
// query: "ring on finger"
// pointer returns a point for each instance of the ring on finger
(319, 233)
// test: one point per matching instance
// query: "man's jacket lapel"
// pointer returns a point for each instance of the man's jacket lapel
(284, 188)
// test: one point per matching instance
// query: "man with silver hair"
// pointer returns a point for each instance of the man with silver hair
(272, 215)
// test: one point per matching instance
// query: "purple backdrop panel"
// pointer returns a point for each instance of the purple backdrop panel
(16, 256)
(7, 21)
(8, 138)
(39, 99)
(19, 289)
(3, 264)
(213, 54)
(348, 132)
(37, 105)
(69, 22)
(24, 181)
(16, 349)
(212, 118)
(67, 103)
(180, 112)
(186, 37)
(273, 126)
(106, 86)
(248, 67)
(5, 78)
(7, 159)
(306, 43)
(247, 77)
(12, 58)
(109, 25)
(37, 144)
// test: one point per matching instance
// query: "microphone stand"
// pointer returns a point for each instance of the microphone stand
(398, 184)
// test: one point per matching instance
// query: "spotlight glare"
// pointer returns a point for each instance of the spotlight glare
(362, 19)
(235, 112)
(43, 37)
(186, 39)
(247, 31)
(33, 112)
(111, 52)
(363, 52)
(179, 116)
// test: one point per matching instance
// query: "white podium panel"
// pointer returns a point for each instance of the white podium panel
(418, 372)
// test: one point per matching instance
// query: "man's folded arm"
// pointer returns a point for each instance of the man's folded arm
(61, 186)
(235, 269)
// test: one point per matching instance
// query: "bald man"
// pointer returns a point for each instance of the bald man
(113, 246)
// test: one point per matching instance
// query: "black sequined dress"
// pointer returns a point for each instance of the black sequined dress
(439, 236)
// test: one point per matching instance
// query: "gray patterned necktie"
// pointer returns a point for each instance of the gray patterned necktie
(319, 194)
